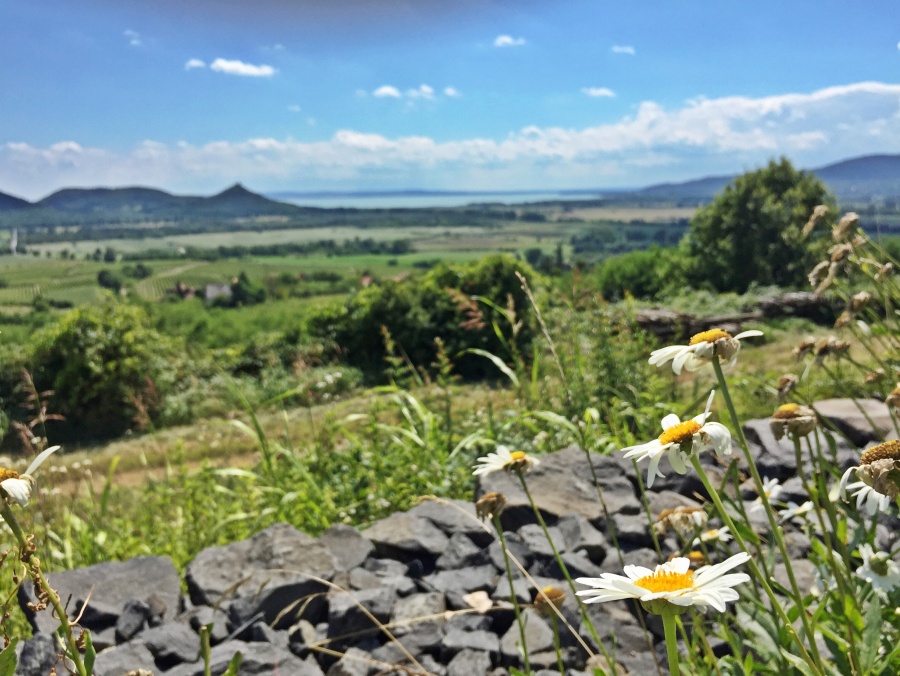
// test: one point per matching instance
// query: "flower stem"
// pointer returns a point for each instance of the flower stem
(556, 646)
(512, 594)
(28, 558)
(668, 619)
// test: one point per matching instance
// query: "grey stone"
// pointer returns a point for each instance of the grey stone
(280, 557)
(259, 659)
(461, 552)
(533, 537)
(846, 416)
(113, 583)
(465, 581)
(345, 616)
(39, 655)
(354, 662)
(563, 484)
(413, 609)
(405, 537)
(469, 622)
(804, 573)
(205, 615)
(456, 641)
(579, 535)
(577, 563)
(120, 659)
(386, 567)
(172, 644)
(103, 639)
(633, 530)
(133, 619)
(95, 615)
(454, 517)
(348, 547)
(517, 550)
(469, 663)
(538, 638)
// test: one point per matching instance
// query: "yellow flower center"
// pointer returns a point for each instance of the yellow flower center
(666, 581)
(517, 455)
(7, 474)
(786, 411)
(889, 450)
(678, 434)
(697, 558)
(710, 336)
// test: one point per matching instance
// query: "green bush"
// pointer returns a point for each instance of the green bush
(642, 274)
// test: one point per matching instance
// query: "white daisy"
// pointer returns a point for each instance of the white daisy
(878, 473)
(503, 458)
(794, 510)
(672, 586)
(700, 350)
(878, 570)
(682, 440)
(17, 486)
(715, 535)
(773, 489)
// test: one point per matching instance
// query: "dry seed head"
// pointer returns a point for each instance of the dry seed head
(818, 213)
(490, 505)
(889, 450)
(886, 271)
(786, 383)
(859, 300)
(815, 275)
(845, 318)
(893, 399)
(804, 346)
(874, 376)
(845, 225)
(548, 596)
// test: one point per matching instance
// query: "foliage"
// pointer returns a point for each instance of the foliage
(102, 363)
(640, 274)
(751, 233)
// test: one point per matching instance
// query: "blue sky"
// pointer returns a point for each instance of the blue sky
(430, 94)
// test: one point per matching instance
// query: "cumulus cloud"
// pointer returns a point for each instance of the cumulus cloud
(598, 92)
(623, 49)
(133, 37)
(508, 41)
(194, 63)
(699, 136)
(452, 92)
(235, 67)
(421, 92)
(387, 92)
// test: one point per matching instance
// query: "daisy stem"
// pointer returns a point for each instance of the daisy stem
(776, 530)
(26, 553)
(668, 619)
(757, 574)
(512, 593)
(556, 646)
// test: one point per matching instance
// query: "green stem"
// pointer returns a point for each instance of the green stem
(668, 619)
(776, 530)
(65, 627)
(559, 659)
(512, 594)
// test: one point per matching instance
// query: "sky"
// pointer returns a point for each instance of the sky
(319, 95)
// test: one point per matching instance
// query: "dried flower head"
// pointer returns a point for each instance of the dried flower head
(683, 520)
(845, 318)
(805, 346)
(818, 273)
(885, 270)
(817, 215)
(794, 420)
(874, 376)
(893, 399)
(831, 346)
(490, 505)
(859, 300)
(786, 385)
(840, 252)
(879, 477)
(548, 598)
(847, 223)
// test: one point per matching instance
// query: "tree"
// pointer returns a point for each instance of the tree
(751, 232)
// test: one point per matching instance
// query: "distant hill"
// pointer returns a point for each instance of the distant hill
(859, 178)
(10, 203)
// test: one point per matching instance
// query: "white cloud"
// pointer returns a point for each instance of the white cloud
(422, 92)
(623, 49)
(508, 41)
(452, 92)
(235, 67)
(194, 63)
(387, 91)
(700, 136)
(294, 108)
(133, 37)
(598, 92)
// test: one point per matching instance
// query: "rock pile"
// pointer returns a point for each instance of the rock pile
(425, 589)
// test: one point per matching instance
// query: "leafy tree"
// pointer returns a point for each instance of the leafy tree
(102, 362)
(751, 232)
(110, 280)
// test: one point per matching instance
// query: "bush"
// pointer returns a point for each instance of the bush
(642, 274)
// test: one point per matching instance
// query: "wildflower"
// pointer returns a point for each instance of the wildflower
(490, 505)
(672, 587)
(547, 597)
(859, 300)
(893, 399)
(504, 459)
(817, 215)
(696, 557)
(700, 350)
(878, 570)
(722, 534)
(830, 346)
(794, 510)
(879, 477)
(840, 252)
(845, 318)
(885, 270)
(786, 384)
(792, 419)
(845, 225)
(875, 376)
(682, 440)
(816, 274)
(833, 269)
(805, 346)
(772, 490)
(18, 487)
(682, 519)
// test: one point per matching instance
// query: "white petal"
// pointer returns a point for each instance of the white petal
(753, 333)
(40, 459)
(637, 572)
(676, 459)
(708, 573)
(19, 489)
(670, 421)
(679, 362)
(709, 402)
(844, 479)
(665, 354)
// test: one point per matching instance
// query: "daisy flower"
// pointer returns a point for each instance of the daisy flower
(682, 519)
(795, 510)
(671, 587)
(772, 489)
(503, 458)
(701, 349)
(794, 420)
(878, 473)
(878, 570)
(18, 487)
(715, 535)
(682, 440)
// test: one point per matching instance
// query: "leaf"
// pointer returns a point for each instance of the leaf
(796, 662)
(235, 665)
(871, 636)
(8, 661)
(499, 363)
(559, 421)
(90, 653)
